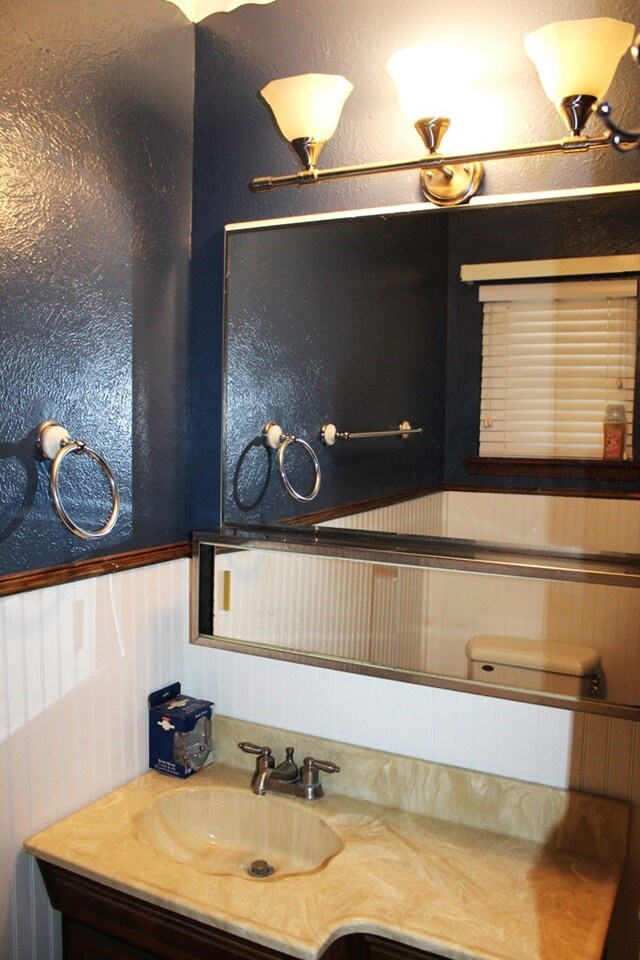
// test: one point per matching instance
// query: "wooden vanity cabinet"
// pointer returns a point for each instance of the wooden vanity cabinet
(99, 923)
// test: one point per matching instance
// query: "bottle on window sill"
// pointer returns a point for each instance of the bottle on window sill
(615, 428)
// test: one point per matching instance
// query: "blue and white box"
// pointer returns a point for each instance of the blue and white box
(180, 732)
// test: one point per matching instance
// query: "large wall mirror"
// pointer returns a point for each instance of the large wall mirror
(499, 559)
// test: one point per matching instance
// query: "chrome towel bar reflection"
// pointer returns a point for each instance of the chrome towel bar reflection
(330, 433)
(275, 439)
(54, 443)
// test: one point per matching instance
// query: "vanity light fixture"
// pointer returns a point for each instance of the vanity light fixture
(576, 61)
(307, 110)
(428, 103)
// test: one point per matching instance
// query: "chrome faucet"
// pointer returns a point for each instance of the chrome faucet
(287, 777)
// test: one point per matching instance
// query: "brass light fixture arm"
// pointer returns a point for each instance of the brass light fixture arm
(433, 162)
(622, 140)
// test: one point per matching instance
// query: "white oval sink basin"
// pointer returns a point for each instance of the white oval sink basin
(223, 830)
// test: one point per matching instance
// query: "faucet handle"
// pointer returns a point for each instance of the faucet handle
(311, 766)
(264, 765)
(310, 776)
(254, 748)
(265, 760)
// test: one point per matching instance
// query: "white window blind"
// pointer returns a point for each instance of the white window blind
(553, 356)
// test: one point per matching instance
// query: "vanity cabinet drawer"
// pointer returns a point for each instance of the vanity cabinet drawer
(140, 930)
(83, 943)
(99, 923)
(375, 948)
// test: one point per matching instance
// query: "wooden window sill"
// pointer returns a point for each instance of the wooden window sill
(570, 469)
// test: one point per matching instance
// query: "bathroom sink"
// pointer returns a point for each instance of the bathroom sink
(225, 830)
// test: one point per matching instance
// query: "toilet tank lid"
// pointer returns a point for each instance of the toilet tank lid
(570, 658)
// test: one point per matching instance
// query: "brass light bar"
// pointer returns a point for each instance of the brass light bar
(430, 163)
(570, 56)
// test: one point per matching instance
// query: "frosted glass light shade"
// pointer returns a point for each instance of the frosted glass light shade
(575, 57)
(308, 105)
(426, 80)
(197, 10)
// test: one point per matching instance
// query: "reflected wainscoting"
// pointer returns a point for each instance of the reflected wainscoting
(78, 660)
(589, 524)
(459, 606)
(417, 620)
(420, 620)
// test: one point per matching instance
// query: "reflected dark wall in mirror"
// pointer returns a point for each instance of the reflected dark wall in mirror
(364, 322)
(343, 322)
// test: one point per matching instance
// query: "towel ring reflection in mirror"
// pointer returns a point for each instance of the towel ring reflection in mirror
(54, 443)
(275, 439)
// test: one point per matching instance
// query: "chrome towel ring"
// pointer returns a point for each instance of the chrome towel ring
(275, 439)
(54, 443)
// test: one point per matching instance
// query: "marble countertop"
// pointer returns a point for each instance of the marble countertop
(462, 874)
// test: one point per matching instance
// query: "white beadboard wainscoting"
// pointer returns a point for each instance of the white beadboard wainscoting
(76, 665)
(77, 662)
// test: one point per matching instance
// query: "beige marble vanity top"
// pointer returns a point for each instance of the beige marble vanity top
(463, 864)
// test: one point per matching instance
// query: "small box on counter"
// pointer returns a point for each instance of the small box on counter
(180, 740)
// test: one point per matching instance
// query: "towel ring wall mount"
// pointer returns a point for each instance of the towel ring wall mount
(275, 439)
(54, 443)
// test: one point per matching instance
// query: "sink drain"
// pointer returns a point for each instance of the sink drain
(259, 868)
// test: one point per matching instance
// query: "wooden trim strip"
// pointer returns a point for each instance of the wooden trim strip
(92, 567)
(362, 506)
(608, 494)
(571, 469)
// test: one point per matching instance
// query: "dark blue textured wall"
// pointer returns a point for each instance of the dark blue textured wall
(235, 138)
(363, 322)
(95, 182)
(95, 179)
